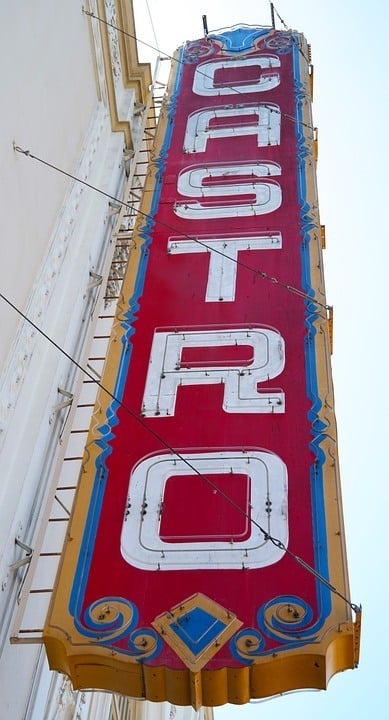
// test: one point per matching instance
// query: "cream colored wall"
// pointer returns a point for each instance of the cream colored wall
(49, 106)
(53, 232)
(48, 97)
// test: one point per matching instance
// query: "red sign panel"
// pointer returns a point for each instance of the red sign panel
(214, 470)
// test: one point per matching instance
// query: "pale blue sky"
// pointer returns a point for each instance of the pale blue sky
(350, 53)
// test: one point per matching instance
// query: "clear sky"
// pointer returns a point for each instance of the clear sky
(350, 53)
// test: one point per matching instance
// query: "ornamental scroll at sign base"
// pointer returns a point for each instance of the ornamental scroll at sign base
(215, 465)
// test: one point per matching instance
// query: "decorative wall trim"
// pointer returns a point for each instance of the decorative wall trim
(114, 43)
(136, 75)
(97, 51)
(116, 58)
(15, 371)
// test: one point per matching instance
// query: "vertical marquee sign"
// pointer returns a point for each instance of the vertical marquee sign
(216, 464)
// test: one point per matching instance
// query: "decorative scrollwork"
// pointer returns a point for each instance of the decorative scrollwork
(110, 619)
(285, 618)
(145, 643)
(282, 43)
(247, 644)
(198, 49)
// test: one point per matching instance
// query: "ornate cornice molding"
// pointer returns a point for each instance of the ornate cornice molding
(116, 58)
(98, 54)
(136, 75)
(114, 43)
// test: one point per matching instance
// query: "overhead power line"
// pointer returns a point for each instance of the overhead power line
(200, 72)
(266, 535)
(152, 24)
(274, 9)
(144, 424)
(259, 273)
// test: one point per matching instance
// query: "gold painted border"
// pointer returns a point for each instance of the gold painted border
(309, 667)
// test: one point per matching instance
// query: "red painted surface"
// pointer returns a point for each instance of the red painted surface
(213, 357)
(196, 511)
(174, 295)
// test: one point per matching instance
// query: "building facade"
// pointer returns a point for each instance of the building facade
(230, 178)
(76, 96)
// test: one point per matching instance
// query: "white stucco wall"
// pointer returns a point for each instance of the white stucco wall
(53, 232)
(48, 98)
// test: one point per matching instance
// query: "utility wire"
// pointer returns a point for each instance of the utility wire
(263, 275)
(152, 25)
(279, 17)
(179, 61)
(289, 31)
(267, 536)
(239, 263)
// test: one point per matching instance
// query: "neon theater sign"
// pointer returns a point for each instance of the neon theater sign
(219, 450)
